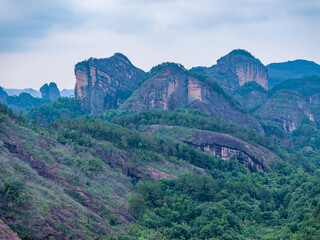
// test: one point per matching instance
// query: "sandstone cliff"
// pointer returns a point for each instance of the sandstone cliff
(235, 69)
(50, 92)
(287, 109)
(224, 147)
(105, 83)
(291, 102)
(170, 86)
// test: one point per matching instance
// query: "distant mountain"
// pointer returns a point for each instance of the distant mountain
(3, 95)
(279, 72)
(67, 93)
(24, 102)
(17, 92)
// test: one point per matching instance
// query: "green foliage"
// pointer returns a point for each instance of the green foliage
(78, 133)
(166, 65)
(272, 129)
(193, 119)
(62, 108)
(24, 102)
(248, 87)
(306, 86)
(14, 190)
(136, 205)
(231, 205)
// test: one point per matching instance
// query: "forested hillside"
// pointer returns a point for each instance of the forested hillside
(176, 157)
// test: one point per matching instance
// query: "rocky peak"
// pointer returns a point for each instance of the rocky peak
(106, 83)
(50, 92)
(169, 86)
(244, 67)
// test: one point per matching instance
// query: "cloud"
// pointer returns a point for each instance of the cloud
(59, 33)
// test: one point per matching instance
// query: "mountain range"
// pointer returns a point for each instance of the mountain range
(205, 153)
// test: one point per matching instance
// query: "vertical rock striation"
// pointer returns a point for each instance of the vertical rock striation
(105, 83)
(235, 69)
(170, 86)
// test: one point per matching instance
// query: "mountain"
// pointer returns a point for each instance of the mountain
(3, 95)
(52, 186)
(221, 145)
(167, 154)
(67, 93)
(24, 102)
(235, 69)
(250, 96)
(50, 92)
(103, 84)
(169, 86)
(287, 109)
(17, 92)
(279, 72)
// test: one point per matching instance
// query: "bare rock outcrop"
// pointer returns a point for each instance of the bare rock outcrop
(170, 86)
(225, 146)
(235, 69)
(103, 84)
(50, 92)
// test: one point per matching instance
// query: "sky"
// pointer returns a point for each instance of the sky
(42, 40)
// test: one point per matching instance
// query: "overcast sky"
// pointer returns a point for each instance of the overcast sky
(42, 40)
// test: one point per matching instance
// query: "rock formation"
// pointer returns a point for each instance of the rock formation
(286, 109)
(235, 69)
(170, 86)
(50, 92)
(225, 146)
(291, 102)
(105, 83)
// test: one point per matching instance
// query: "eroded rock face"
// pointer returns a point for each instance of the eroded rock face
(225, 146)
(235, 69)
(171, 87)
(105, 83)
(286, 109)
(50, 92)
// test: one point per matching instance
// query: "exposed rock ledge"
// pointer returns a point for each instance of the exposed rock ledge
(225, 146)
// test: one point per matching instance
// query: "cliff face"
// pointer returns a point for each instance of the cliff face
(235, 69)
(50, 92)
(105, 83)
(224, 147)
(250, 96)
(170, 87)
(286, 109)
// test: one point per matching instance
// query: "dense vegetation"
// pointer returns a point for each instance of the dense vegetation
(193, 119)
(93, 177)
(62, 108)
(279, 72)
(24, 102)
